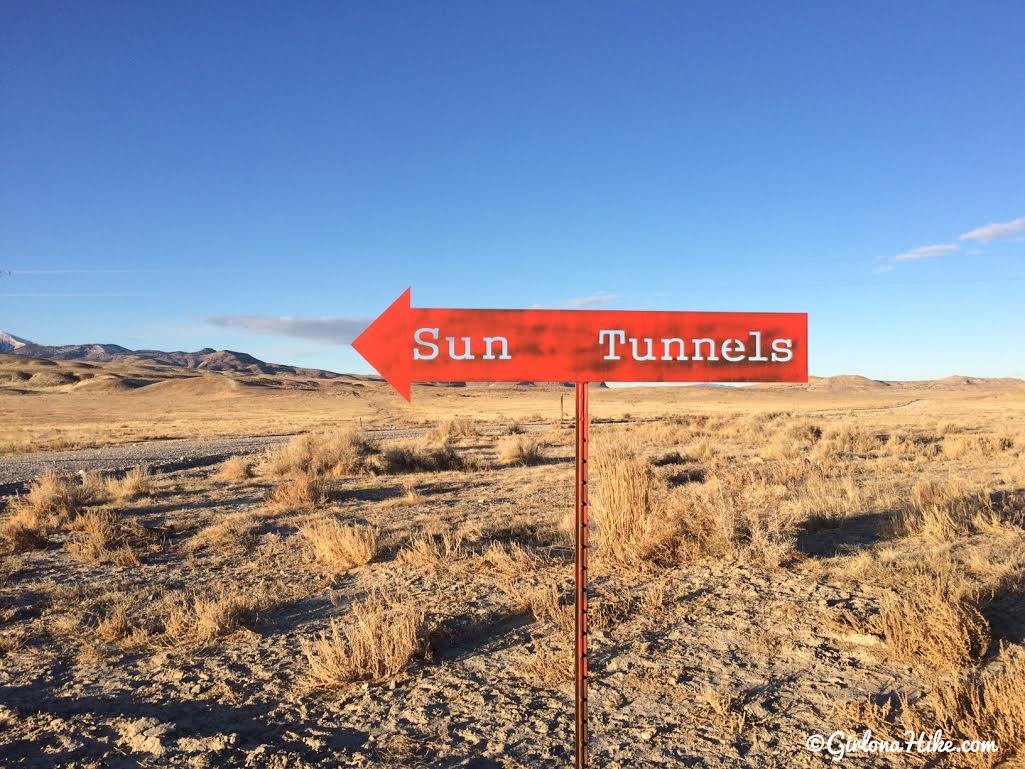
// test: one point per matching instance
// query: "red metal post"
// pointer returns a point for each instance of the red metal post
(580, 665)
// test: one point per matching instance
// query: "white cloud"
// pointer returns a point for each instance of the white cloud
(925, 252)
(883, 268)
(994, 230)
(325, 329)
(597, 299)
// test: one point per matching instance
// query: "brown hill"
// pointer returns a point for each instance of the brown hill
(206, 359)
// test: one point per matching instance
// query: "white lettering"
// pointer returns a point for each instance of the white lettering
(612, 344)
(417, 337)
(781, 350)
(727, 350)
(647, 355)
(697, 349)
(489, 355)
(467, 354)
(757, 357)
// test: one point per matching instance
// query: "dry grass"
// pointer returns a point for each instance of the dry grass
(520, 450)
(24, 530)
(420, 457)
(337, 546)
(105, 538)
(302, 491)
(233, 535)
(236, 469)
(629, 528)
(338, 454)
(203, 619)
(548, 664)
(933, 624)
(547, 605)
(735, 516)
(431, 551)
(380, 637)
(725, 710)
(51, 495)
(134, 484)
(454, 430)
(943, 510)
(988, 705)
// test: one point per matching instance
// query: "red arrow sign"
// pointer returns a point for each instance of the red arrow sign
(417, 344)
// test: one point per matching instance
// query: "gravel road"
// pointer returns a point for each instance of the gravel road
(164, 455)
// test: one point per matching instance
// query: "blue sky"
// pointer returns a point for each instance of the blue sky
(264, 177)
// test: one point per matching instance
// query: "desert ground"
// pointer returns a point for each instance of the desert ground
(390, 584)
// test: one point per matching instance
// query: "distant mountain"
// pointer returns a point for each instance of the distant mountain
(10, 343)
(207, 359)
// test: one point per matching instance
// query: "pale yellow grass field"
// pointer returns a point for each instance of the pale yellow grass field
(768, 564)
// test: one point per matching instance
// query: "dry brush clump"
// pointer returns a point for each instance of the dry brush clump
(201, 619)
(134, 484)
(735, 515)
(453, 430)
(430, 551)
(337, 546)
(302, 491)
(944, 510)
(987, 705)
(547, 663)
(236, 469)
(378, 640)
(105, 537)
(234, 534)
(630, 527)
(339, 454)
(520, 450)
(419, 457)
(963, 445)
(934, 623)
(52, 495)
(52, 499)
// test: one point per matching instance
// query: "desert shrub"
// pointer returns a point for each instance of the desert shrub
(966, 445)
(453, 430)
(202, 619)
(51, 495)
(629, 528)
(136, 483)
(338, 546)
(25, 529)
(933, 624)
(944, 510)
(301, 491)
(343, 453)
(732, 515)
(379, 639)
(419, 457)
(506, 560)
(986, 705)
(104, 537)
(826, 502)
(520, 450)
(236, 468)
(232, 535)
(790, 442)
(669, 458)
(547, 662)
(546, 605)
(432, 550)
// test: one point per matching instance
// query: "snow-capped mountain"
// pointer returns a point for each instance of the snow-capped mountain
(10, 343)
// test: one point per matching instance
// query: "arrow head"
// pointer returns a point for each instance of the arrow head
(385, 344)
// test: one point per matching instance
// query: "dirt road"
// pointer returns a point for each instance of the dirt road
(164, 455)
